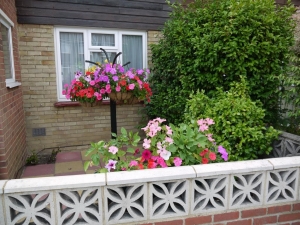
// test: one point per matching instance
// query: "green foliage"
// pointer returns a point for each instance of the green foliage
(189, 142)
(210, 44)
(239, 125)
(32, 159)
(290, 98)
(123, 142)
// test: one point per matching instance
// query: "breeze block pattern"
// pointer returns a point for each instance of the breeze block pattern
(246, 192)
(287, 145)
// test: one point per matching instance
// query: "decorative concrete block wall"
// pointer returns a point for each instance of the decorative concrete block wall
(287, 145)
(248, 192)
(68, 125)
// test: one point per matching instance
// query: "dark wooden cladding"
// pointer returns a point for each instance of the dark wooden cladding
(122, 14)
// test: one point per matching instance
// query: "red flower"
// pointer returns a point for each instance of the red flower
(203, 153)
(140, 166)
(122, 83)
(212, 156)
(204, 161)
(137, 151)
(151, 164)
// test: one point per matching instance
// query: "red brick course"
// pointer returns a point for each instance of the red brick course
(198, 220)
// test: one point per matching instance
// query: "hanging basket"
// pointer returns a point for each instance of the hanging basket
(120, 96)
(90, 104)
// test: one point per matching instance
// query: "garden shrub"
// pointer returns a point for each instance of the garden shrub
(209, 44)
(239, 125)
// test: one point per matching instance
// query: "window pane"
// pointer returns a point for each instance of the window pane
(103, 40)
(4, 41)
(133, 51)
(100, 57)
(72, 55)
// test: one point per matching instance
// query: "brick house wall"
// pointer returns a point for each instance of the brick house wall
(70, 127)
(12, 124)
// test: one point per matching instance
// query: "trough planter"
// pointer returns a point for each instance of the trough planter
(263, 190)
(287, 145)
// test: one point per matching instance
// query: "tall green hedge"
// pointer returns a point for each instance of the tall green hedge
(209, 44)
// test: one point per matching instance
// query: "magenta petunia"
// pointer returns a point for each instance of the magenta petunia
(146, 155)
(111, 165)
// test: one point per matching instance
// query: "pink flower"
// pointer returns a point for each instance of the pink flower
(133, 163)
(111, 165)
(118, 88)
(169, 130)
(209, 137)
(92, 82)
(160, 161)
(209, 121)
(201, 122)
(102, 91)
(203, 127)
(177, 161)
(131, 86)
(146, 143)
(169, 140)
(64, 92)
(113, 149)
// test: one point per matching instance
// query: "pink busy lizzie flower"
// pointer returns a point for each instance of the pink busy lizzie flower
(102, 91)
(64, 92)
(140, 71)
(209, 121)
(66, 85)
(160, 161)
(203, 127)
(98, 96)
(209, 137)
(68, 96)
(146, 155)
(169, 140)
(92, 82)
(113, 149)
(131, 86)
(133, 163)
(118, 88)
(146, 143)
(130, 74)
(111, 165)
(140, 84)
(201, 122)
(169, 130)
(73, 82)
(177, 161)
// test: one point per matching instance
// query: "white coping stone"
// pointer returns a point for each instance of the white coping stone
(232, 167)
(285, 162)
(2, 183)
(149, 175)
(54, 183)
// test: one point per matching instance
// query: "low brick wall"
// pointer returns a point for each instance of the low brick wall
(232, 193)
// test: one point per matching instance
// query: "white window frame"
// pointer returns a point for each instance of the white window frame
(5, 21)
(87, 34)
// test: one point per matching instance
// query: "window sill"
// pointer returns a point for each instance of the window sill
(13, 84)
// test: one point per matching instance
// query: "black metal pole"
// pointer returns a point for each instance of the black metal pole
(113, 117)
